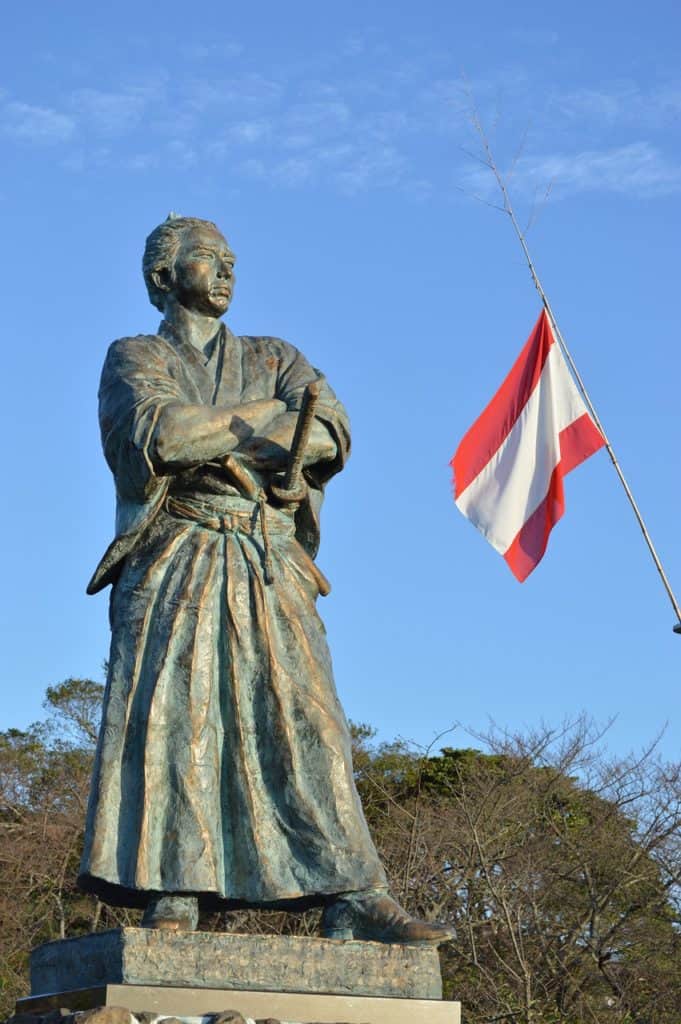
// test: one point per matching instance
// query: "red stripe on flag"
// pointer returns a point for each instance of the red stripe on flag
(528, 548)
(494, 425)
(577, 442)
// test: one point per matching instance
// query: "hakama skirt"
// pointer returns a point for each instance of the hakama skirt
(224, 765)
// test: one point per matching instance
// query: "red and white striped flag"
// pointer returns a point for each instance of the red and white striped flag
(509, 468)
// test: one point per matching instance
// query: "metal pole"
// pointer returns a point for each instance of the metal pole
(508, 208)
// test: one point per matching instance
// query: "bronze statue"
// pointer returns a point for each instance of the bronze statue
(223, 775)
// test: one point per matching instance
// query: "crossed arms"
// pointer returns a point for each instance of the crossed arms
(261, 431)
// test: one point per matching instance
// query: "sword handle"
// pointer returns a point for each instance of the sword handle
(301, 435)
(291, 490)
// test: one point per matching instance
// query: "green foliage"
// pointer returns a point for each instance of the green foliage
(74, 709)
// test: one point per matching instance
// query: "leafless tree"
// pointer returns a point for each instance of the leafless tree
(559, 865)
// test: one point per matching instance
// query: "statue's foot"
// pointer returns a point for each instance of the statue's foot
(376, 917)
(174, 913)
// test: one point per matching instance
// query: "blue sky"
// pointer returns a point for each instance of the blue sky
(328, 141)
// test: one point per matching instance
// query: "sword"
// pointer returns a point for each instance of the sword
(292, 490)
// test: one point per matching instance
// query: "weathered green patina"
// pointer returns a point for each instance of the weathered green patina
(223, 773)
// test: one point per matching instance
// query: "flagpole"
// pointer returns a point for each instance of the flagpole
(508, 208)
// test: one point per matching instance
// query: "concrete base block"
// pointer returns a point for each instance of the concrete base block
(192, 1004)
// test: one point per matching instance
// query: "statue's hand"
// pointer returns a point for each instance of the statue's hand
(263, 453)
(239, 474)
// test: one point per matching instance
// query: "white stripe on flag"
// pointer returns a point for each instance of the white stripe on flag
(515, 481)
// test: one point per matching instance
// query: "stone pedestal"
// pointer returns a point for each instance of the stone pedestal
(219, 960)
(201, 974)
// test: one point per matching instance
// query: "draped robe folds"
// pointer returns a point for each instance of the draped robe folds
(223, 767)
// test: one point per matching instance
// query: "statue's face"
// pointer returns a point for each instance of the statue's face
(203, 276)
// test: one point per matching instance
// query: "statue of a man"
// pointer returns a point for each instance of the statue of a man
(223, 775)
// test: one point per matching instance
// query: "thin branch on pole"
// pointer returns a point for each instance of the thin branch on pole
(508, 209)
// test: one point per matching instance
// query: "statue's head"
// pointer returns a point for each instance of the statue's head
(189, 260)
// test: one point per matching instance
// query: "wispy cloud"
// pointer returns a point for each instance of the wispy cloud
(380, 166)
(638, 169)
(250, 132)
(599, 104)
(315, 133)
(322, 115)
(42, 125)
(623, 102)
(112, 113)
(181, 153)
(140, 161)
(241, 92)
(396, 124)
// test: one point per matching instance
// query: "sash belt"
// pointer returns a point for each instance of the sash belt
(230, 514)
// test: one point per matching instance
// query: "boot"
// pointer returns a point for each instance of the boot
(376, 917)
(174, 913)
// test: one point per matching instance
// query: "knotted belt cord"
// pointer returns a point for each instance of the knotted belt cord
(176, 507)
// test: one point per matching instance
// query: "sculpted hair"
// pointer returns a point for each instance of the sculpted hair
(161, 249)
